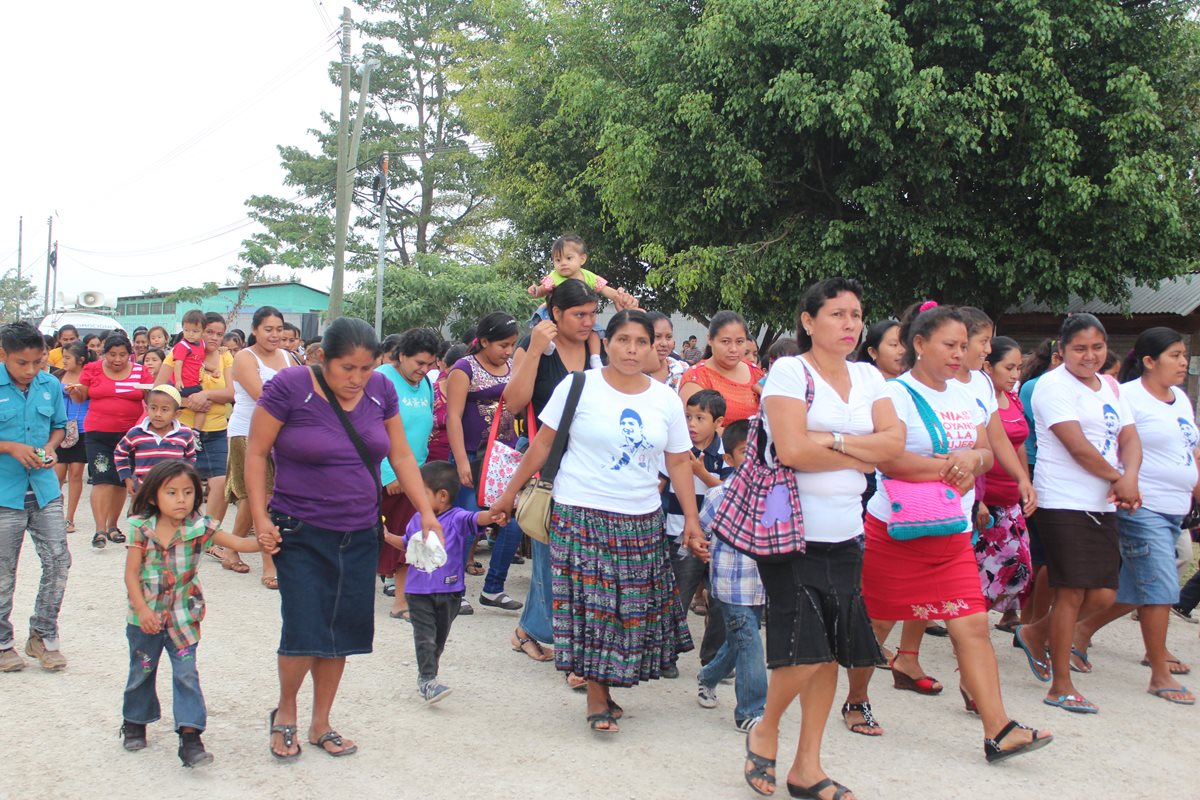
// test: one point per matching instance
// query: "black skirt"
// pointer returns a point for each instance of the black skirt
(815, 608)
(1082, 548)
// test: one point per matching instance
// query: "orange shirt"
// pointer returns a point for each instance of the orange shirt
(741, 401)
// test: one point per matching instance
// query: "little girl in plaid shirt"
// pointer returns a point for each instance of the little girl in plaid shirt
(167, 537)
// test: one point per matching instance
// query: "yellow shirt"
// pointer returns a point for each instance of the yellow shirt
(54, 358)
(217, 418)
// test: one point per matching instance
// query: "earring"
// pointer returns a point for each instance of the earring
(918, 356)
(807, 332)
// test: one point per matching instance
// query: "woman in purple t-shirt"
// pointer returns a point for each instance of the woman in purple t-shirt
(322, 524)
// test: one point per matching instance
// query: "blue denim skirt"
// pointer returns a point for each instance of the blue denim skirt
(1148, 573)
(326, 589)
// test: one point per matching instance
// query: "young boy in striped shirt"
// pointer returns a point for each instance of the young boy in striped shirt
(157, 438)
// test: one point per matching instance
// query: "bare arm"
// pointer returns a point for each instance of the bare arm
(245, 372)
(264, 429)
(404, 464)
(1125, 489)
(457, 386)
(1013, 461)
(238, 543)
(533, 460)
(147, 619)
(687, 390)
(679, 467)
(519, 389)
(1070, 433)
(886, 442)
(789, 429)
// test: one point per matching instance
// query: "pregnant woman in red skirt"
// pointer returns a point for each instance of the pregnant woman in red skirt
(935, 576)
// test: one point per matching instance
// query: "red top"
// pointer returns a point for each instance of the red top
(1000, 488)
(741, 401)
(190, 357)
(114, 406)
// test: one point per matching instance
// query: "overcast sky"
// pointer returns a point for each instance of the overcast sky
(143, 127)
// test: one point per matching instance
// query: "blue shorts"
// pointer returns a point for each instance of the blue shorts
(213, 457)
(1148, 573)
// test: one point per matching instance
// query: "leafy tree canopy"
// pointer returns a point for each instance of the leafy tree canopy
(17, 296)
(977, 152)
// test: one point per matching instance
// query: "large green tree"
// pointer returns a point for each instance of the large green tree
(973, 151)
(17, 296)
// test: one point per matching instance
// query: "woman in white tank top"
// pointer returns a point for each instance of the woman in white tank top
(253, 366)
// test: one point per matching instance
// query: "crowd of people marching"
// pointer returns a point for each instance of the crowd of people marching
(922, 471)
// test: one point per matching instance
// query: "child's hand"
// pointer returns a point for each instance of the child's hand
(129, 487)
(394, 540)
(698, 468)
(149, 621)
(533, 290)
(393, 488)
(497, 516)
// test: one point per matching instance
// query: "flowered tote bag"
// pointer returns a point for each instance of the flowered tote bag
(760, 514)
(500, 461)
(924, 508)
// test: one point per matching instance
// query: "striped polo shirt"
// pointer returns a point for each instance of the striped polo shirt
(140, 449)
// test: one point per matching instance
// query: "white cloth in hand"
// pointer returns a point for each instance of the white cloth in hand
(425, 552)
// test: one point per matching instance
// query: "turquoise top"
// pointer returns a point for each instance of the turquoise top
(416, 412)
(28, 417)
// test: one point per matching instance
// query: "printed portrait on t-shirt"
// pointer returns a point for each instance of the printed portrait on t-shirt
(1191, 438)
(1112, 426)
(633, 445)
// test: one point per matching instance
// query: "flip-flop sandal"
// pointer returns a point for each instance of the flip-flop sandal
(475, 568)
(336, 738)
(605, 716)
(289, 738)
(403, 614)
(271, 582)
(240, 567)
(1185, 671)
(1082, 656)
(519, 642)
(1083, 705)
(115, 536)
(1163, 693)
(1008, 627)
(1034, 664)
(575, 687)
(758, 770)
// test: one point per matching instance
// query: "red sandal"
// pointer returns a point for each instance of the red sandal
(923, 685)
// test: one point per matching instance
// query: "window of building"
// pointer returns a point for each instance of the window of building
(156, 308)
(143, 308)
(168, 308)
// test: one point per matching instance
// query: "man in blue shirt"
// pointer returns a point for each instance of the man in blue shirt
(33, 419)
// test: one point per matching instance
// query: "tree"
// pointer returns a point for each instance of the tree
(434, 203)
(972, 151)
(435, 292)
(17, 296)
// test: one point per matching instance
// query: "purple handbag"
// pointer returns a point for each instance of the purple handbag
(760, 514)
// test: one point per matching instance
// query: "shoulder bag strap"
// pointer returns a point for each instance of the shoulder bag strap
(563, 433)
(355, 439)
(933, 425)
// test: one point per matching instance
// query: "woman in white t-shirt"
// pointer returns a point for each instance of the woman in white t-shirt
(1088, 460)
(817, 617)
(1166, 425)
(617, 617)
(936, 575)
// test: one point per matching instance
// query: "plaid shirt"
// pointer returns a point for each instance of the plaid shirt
(733, 575)
(169, 576)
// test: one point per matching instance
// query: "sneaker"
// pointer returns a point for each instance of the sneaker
(433, 692)
(670, 672)
(133, 736)
(730, 678)
(501, 600)
(191, 750)
(51, 660)
(706, 696)
(11, 661)
(1186, 616)
(747, 725)
(465, 609)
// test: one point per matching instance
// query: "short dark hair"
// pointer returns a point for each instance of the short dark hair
(1076, 324)
(166, 334)
(441, 476)
(115, 340)
(67, 327)
(457, 352)
(18, 336)
(566, 239)
(417, 340)
(158, 351)
(735, 433)
(709, 401)
(212, 316)
(630, 316)
(194, 317)
(291, 326)
(814, 300)
(347, 334)
(786, 346)
(145, 501)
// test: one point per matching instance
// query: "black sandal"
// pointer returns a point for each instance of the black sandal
(606, 716)
(869, 721)
(991, 747)
(814, 791)
(336, 738)
(759, 771)
(614, 709)
(115, 536)
(289, 738)
(99, 540)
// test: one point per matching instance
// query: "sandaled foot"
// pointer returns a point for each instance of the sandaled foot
(239, 566)
(283, 740)
(575, 682)
(603, 722)
(523, 643)
(1175, 666)
(115, 536)
(1039, 668)
(402, 613)
(924, 684)
(99, 540)
(1014, 739)
(1075, 703)
(759, 770)
(332, 743)
(860, 720)
(824, 789)
(70, 526)
(1008, 624)
(1174, 694)
(1079, 660)
(270, 581)
(475, 568)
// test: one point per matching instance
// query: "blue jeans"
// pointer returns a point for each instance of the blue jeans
(48, 530)
(508, 539)
(141, 697)
(536, 616)
(742, 650)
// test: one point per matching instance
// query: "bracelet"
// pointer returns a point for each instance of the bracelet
(839, 443)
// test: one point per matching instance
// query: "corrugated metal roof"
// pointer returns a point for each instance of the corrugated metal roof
(1173, 296)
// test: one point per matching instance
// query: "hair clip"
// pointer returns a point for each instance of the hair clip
(928, 304)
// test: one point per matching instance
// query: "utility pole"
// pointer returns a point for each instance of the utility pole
(49, 259)
(342, 209)
(383, 228)
(54, 286)
(20, 239)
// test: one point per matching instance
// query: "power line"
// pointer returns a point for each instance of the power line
(157, 272)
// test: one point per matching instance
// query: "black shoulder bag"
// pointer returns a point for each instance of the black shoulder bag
(358, 443)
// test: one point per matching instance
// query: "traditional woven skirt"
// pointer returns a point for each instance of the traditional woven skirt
(617, 616)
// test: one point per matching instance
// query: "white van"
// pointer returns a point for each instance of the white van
(85, 323)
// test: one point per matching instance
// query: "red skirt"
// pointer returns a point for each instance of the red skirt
(397, 511)
(933, 577)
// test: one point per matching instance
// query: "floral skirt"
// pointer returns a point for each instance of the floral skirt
(617, 615)
(1002, 552)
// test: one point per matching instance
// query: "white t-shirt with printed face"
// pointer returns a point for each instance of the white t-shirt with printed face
(960, 415)
(831, 501)
(1169, 439)
(1060, 481)
(617, 444)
